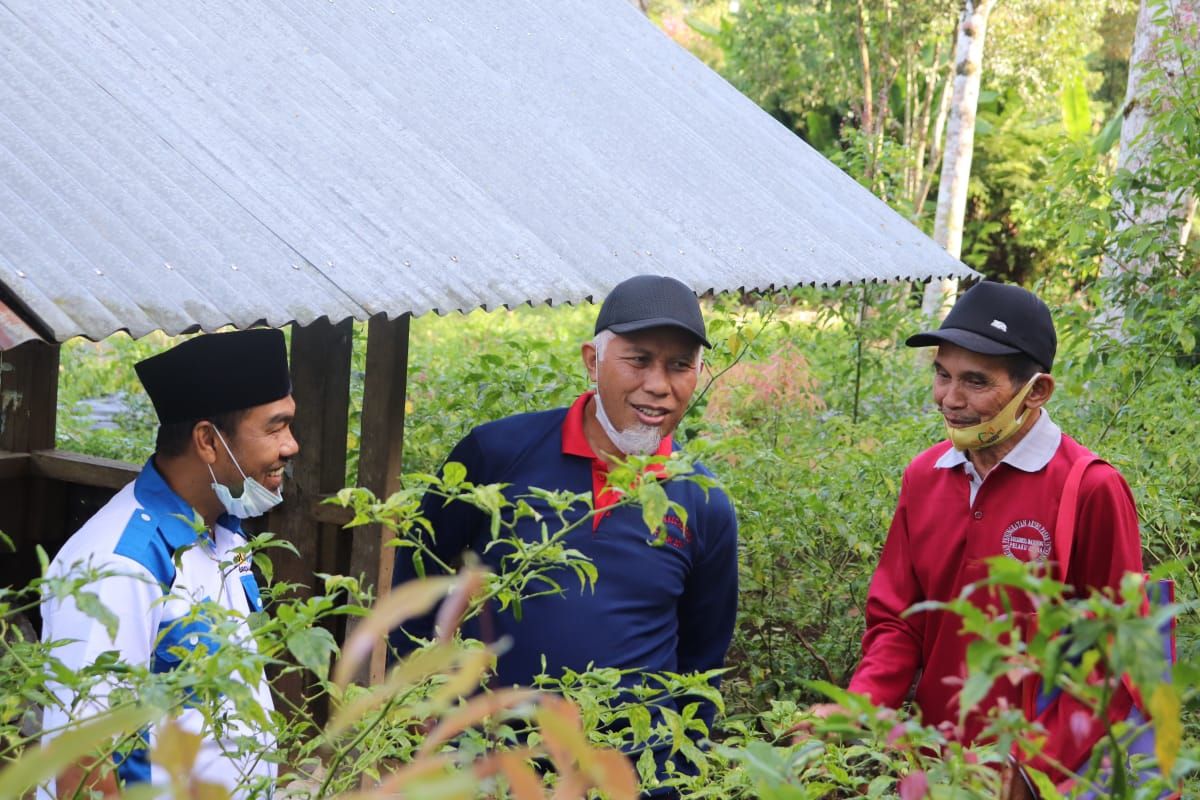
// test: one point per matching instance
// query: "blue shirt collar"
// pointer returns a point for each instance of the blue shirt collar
(157, 497)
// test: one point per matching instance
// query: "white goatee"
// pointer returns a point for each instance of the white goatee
(636, 440)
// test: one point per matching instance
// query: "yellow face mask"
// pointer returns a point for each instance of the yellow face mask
(995, 430)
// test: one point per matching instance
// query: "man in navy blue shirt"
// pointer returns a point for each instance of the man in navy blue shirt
(659, 605)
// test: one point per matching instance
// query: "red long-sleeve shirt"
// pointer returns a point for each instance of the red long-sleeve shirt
(938, 543)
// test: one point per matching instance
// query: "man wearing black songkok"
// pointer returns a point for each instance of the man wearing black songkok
(167, 544)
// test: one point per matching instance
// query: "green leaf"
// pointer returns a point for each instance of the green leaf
(453, 473)
(1109, 134)
(653, 500)
(1076, 111)
(974, 689)
(639, 723)
(38, 764)
(818, 131)
(646, 767)
(313, 647)
(89, 603)
(1187, 340)
(1168, 730)
(701, 27)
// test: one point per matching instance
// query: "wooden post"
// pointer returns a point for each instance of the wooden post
(379, 461)
(28, 415)
(320, 362)
(28, 397)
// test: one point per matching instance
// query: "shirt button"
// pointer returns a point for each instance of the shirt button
(145, 517)
(978, 515)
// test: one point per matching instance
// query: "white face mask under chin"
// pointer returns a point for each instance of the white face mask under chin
(255, 499)
(637, 440)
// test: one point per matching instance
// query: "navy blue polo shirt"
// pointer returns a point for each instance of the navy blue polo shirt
(666, 607)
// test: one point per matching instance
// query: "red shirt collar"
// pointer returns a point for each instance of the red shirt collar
(575, 443)
(574, 440)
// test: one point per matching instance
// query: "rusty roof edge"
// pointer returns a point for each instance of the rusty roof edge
(14, 327)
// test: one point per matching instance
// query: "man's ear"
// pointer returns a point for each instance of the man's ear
(1043, 387)
(204, 440)
(588, 351)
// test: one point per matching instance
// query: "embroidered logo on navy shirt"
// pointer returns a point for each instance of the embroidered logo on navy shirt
(1026, 540)
(679, 535)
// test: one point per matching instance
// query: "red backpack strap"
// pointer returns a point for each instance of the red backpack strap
(1068, 507)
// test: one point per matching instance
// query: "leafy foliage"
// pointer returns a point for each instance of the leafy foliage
(808, 412)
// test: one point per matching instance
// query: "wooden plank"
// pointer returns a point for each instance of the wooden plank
(28, 396)
(28, 409)
(14, 517)
(320, 365)
(13, 465)
(47, 520)
(379, 460)
(68, 467)
(329, 515)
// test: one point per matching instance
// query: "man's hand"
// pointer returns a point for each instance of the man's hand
(87, 775)
(1013, 785)
(803, 729)
(826, 710)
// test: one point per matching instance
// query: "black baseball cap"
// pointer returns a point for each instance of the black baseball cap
(216, 373)
(651, 301)
(997, 319)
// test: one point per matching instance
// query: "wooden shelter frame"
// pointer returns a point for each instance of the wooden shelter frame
(47, 493)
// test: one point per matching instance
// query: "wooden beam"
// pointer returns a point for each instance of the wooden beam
(329, 515)
(68, 467)
(381, 454)
(13, 465)
(320, 361)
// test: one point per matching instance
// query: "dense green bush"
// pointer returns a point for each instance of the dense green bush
(809, 411)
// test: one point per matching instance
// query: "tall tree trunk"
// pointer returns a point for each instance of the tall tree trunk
(1172, 208)
(641, 5)
(960, 142)
(864, 55)
(935, 146)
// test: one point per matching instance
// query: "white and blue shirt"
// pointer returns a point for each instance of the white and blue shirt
(157, 569)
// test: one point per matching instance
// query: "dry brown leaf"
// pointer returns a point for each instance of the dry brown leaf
(200, 790)
(616, 778)
(465, 680)
(421, 768)
(175, 750)
(402, 603)
(413, 669)
(559, 722)
(472, 712)
(450, 615)
(524, 782)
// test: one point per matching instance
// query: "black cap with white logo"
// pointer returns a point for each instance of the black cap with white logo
(997, 319)
(651, 301)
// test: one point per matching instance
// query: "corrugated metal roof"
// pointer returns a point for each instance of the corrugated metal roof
(192, 165)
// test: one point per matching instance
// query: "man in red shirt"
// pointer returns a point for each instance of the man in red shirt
(992, 489)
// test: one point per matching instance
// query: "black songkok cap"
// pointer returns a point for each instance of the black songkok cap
(997, 319)
(217, 373)
(651, 301)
